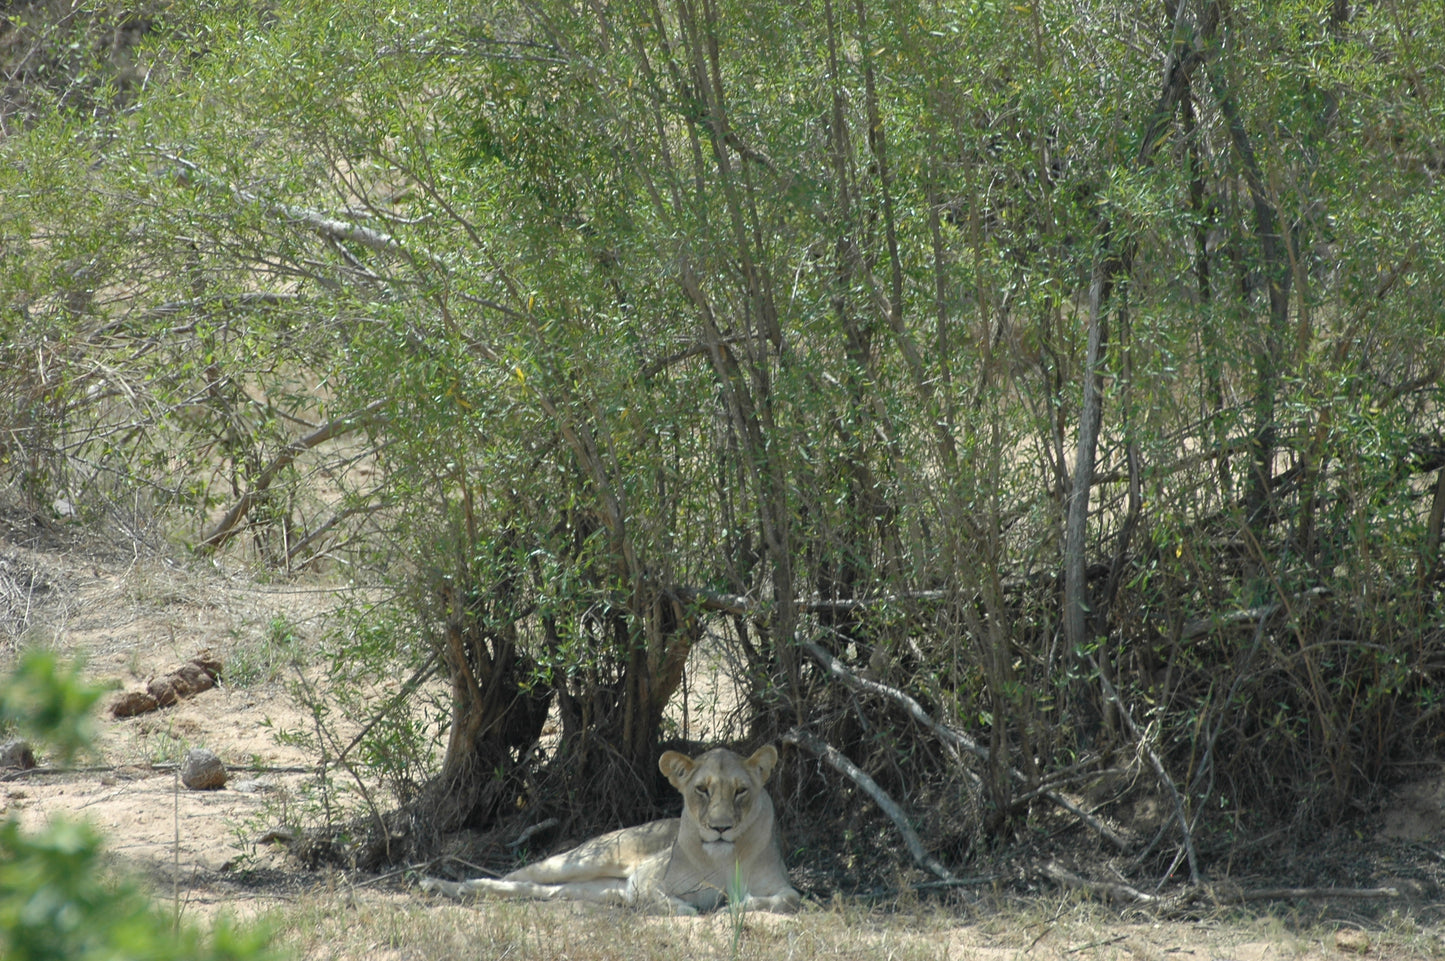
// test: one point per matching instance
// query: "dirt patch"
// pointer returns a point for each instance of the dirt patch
(1416, 811)
(133, 622)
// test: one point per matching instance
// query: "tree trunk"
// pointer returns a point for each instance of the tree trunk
(1077, 607)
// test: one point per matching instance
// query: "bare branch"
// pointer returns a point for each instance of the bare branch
(1164, 779)
(1298, 894)
(1111, 890)
(956, 739)
(840, 763)
(225, 528)
(331, 228)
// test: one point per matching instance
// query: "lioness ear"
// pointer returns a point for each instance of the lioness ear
(676, 766)
(763, 761)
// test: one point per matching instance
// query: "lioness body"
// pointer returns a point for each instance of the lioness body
(723, 845)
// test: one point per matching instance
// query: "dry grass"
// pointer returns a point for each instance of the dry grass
(135, 618)
(341, 925)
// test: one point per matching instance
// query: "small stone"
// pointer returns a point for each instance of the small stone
(17, 753)
(132, 703)
(202, 770)
(1352, 940)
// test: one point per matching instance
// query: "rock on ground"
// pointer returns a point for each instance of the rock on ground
(17, 753)
(202, 770)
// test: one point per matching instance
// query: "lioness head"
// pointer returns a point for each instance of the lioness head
(722, 794)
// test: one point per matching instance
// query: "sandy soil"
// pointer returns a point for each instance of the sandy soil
(132, 620)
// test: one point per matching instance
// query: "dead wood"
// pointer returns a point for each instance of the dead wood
(1109, 890)
(537, 828)
(1185, 831)
(1302, 894)
(1246, 617)
(330, 228)
(839, 762)
(955, 740)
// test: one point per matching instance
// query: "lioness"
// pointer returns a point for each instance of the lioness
(722, 846)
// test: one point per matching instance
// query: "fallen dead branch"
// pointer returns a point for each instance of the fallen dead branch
(840, 763)
(527, 833)
(955, 740)
(1186, 833)
(1200, 626)
(1304, 894)
(957, 882)
(1097, 944)
(1109, 890)
(743, 606)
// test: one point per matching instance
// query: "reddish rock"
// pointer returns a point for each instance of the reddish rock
(209, 663)
(192, 679)
(163, 689)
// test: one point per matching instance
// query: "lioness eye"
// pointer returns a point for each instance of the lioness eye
(702, 791)
(742, 792)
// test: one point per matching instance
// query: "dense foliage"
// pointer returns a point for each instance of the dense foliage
(1072, 369)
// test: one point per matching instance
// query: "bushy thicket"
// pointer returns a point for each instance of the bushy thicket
(1074, 374)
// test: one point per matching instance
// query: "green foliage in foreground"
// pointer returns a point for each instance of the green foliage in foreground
(57, 900)
(50, 700)
(56, 903)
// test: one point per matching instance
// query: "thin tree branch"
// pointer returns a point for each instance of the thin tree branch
(1184, 829)
(955, 739)
(840, 763)
(331, 228)
(1112, 890)
(225, 528)
(1299, 894)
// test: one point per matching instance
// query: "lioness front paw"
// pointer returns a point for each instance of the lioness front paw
(788, 903)
(451, 889)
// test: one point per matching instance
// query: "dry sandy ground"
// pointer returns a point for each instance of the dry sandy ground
(134, 618)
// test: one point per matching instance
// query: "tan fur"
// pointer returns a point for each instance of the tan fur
(724, 842)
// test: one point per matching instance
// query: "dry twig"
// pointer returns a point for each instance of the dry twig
(840, 763)
(1111, 890)
(953, 739)
(1302, 894)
